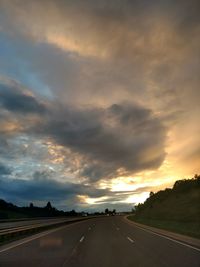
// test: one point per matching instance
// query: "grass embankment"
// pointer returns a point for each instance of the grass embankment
(186, 228)
(176, 209)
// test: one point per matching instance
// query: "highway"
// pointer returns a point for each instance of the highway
(99, 242)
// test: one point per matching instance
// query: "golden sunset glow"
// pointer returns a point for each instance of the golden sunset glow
(98, 101)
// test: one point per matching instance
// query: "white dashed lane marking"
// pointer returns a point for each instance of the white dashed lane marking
(82, 238)
(131, 240)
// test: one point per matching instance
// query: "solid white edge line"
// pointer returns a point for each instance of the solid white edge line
(82, 238)
(131, 240)
(171, 239)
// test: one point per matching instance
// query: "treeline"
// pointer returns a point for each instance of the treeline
(180, 203)
(10, 211)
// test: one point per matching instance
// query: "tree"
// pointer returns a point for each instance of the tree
(151, 194)
(106, 211)
(31, 205)
(72, 213)
(48, 206)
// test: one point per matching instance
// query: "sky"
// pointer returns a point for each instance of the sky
(99, 100)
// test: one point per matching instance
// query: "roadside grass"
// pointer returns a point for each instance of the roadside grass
(186, 228)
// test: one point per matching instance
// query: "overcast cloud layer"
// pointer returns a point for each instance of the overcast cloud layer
(99, 100)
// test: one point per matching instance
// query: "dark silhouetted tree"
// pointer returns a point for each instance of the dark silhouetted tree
(48, 206)
(151, 194)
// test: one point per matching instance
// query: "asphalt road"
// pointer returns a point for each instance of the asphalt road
(108, 241)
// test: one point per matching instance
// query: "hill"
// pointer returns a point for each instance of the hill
(176, 209)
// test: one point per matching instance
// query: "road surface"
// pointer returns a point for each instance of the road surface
(99, 242)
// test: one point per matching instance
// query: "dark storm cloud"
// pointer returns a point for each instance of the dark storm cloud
(123, 136)
(4, 170)
(43, 188)
(14, 100)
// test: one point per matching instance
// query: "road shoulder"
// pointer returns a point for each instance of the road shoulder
(178, 237)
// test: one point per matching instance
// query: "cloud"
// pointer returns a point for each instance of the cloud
(119, 84)
(13, 99)
(144, 45)
(4, 170)
(64, 195)
(105, 29)
(43, 188)
(123, 136)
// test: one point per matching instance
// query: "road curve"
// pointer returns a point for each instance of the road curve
(99, 242)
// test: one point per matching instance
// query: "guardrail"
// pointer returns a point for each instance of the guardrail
(13, 232)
